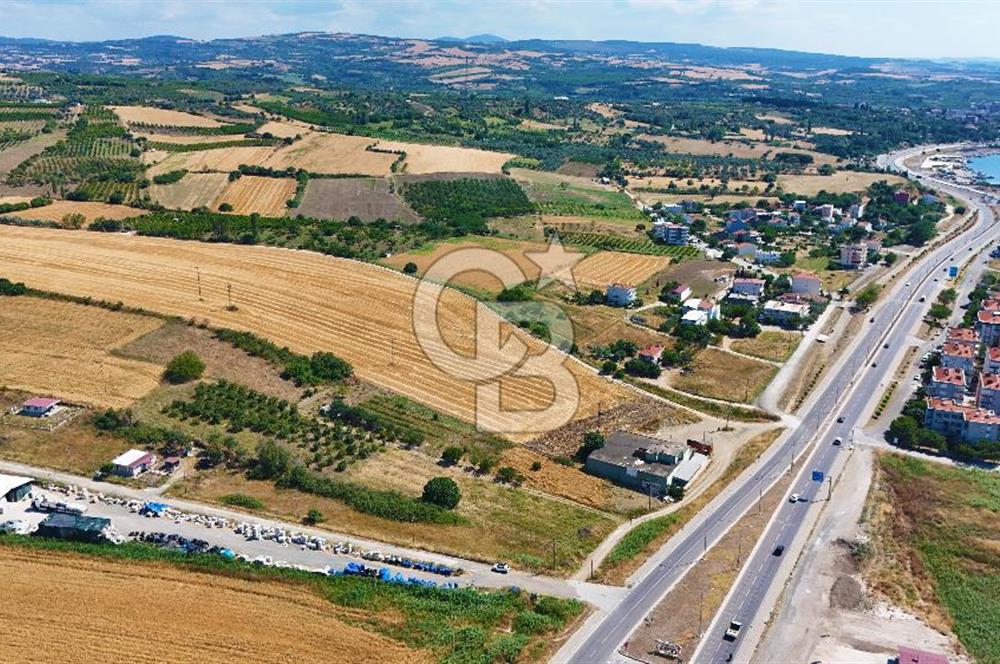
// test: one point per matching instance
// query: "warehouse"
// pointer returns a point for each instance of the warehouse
(14, 488)
(73, 527)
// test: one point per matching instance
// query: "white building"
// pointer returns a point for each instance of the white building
(695, 317)
(767, 256)
(854, 256)
(620, 295)
(784, 313)
(671, 233)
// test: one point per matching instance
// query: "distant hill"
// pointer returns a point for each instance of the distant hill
(475, 39)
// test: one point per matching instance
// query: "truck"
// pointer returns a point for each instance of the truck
(58, 506)
(733, 630)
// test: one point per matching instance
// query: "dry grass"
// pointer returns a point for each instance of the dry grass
(181, 139)
(557, 480)
(254, 193)
(160, 116)
(839, 182)
(284, 129)
(365, 198)
(422, 159)
(67, 607)
(306, 301)
(193, 190)
(14, 155)
(749, 150)
(90, 210)
(62, 349)
(720, 375)
(769, 345)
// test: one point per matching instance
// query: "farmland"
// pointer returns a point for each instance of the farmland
(14, 155)
(65, 350)
(147, 115)
(194, 190)
(840, 182)
(342, 198)
(421, 159)
(636, 245)
(745, 149)
(578, 196)
(58, 210)
(309, 302)
(263, 195)
(605, 267)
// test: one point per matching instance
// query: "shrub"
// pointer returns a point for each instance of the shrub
(443, 492)
(410, 268)
(242, 500)
(536, 465)
(272, 461)
(226, 207)
(452, 455)
(184, 368)
(313, 517)
(509, 475)
(8, 287)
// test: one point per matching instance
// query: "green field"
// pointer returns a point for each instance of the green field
(637, 245)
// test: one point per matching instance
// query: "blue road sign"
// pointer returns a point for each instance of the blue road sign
(817, 476)
(953, 271)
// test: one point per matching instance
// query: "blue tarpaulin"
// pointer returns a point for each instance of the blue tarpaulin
(155, 508)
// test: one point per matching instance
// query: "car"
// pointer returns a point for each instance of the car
(794, 498)
(935, 278)
(917, 378)
(838, 440)
(778, 550)
(907, 284)
(872, 319)
(885, 345)
(840, 420)
(874, 365)
(922, 299)
(500, 568)
(733, 630)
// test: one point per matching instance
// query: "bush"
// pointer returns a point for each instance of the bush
(509, 475)
(226, 207)
(452, 455)
(313, 517)
(410, 268)
(242, 500)
(443, 492)
(592, 440)
(11, 288)
(272, 461)
(184, 368)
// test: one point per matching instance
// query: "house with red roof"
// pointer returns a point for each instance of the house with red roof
(959, 356)
(39, 407)
(914, 656)
(988, 392)
(947, 383)
(988, 326)
(651, 353)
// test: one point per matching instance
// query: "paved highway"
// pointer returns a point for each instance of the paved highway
(892, 322)
(870, 365)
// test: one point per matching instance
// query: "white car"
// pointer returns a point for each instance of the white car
(500, 568)
(794, 498)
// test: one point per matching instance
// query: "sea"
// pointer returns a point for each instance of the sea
(987, 165)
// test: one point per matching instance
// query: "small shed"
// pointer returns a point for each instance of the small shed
(133, 462)
(74, 527)
(14, 488)
(39, 407)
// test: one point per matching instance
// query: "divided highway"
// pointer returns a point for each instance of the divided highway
(893, 321)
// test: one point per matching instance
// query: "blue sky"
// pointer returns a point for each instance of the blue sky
(887, 28)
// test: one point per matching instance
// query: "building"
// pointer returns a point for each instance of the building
(799, 206)
(988, 392)
(73, 527)
(785, 314)
(988, 327)
(962, 335)
(651, 353)
(825, 211)
(745, 249)
(767, 256)
(747, 289)
(695, 317)
(947, 383)
(14, 488)
(133, 462)
(959, 356)
(688, 469)
(958, 421)
(680, 292)
(854, 256)
(620, 295)
(671, 233)
(641, 463)
(991, 363)
(856, 211)
(736, 225)
(39, 407)
(806, 284)
(913, 656)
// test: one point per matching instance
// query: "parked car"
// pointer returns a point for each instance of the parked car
(840, 420)
(500, 568)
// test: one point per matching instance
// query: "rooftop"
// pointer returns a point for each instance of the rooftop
(40, 402)
(806, 275)
(989, 317)
(993, 353)
(914, 656)
(948, 375)
(962, 334)
(9, 482)
(989, 381)
(969, 413)
(746, 281)
(130, 457)
(621, 447)
(786, 307)
(89, 523)
(958, 350)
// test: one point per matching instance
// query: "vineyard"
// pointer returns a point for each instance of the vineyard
(627, 245)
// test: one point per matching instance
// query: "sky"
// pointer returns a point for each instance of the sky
(877, 28)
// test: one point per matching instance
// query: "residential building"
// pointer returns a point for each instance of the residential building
(991, 363)
(749, 288)
(39, 407)
(671, 233)
(959, 356)
(651, 353)
(806, 284)
(680, 292)
(695, 317)
(907, 655)
(133, 463)
(735, 225)
(947, 383)
(854, 256)
(672, 208)
(988, 326)
(825, 212)
(709, 306)
(799, 206)
(784, 313)
(641, 463)
(873, 244)
(746, 249)
(962, 335)
(958, 421)
(767, 256)
(620, 295)
(988, 391)
(14, 488)
(856, 211)
(990, 304)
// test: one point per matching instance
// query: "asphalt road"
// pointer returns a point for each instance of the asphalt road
(893, 321)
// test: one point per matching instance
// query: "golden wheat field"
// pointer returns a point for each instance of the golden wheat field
(421, 159)
(161, 116)
(607, 267)
(193, 190)
(64, 350)
(254, 193)
(180, 139)
(90, 210)
(59, 607)
(306, 301)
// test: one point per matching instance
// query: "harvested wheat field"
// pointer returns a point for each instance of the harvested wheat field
(306, 301)
(193, 190)
(254, 193)
(422, 159)
(89, 209)
(161, 116)
(181, 139)
(284, 129)
(219, 160)
(63, 349)
(556, 479)
(71, 608)
(838, 183)
(607, 267)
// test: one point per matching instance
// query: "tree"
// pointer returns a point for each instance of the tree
(904, 430)
(452, 455)
(184, 368)
(443, 492)
(410, 268)
(947, 296)
(592, 440)
(273, 461)
(609, 367)
(313, 517)
(226, 207)
(509, 475)
(938, 311)
(867, 296)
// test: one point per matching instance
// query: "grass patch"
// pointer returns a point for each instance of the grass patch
(242, 500)
(720, 375)
(769, 345)
(640, 542)
(732, 412)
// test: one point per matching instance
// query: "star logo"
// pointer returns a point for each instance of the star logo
(555, 262)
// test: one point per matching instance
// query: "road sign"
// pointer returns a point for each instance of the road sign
(817, 476)
(953, 271)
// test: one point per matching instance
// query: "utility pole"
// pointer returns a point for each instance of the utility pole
(198, 269)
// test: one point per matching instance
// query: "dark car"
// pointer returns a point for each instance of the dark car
(840, 420)
(778, 550)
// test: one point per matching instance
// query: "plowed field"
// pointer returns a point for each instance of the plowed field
(307, 301)
(193, 190)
